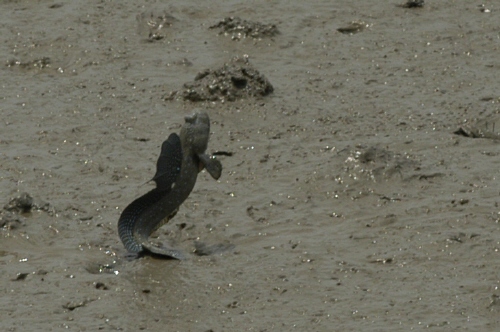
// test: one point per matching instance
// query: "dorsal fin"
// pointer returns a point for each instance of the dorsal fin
(168, 166)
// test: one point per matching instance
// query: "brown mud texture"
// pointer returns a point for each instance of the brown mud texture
(360, 193)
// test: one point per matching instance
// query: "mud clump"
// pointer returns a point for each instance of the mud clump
(40, 63)
(25, 203)
(10, 216)
(14, 214)
(22, 203)
(235, 79)
(240, 29)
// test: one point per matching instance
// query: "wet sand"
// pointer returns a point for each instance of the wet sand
(350, 202)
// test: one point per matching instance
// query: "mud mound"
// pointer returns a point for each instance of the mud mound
(235, 79)
(240, 29)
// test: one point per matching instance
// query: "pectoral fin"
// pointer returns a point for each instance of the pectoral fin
(168, 166)
(213, 166)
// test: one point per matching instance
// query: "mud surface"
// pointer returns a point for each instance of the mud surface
(347, 201)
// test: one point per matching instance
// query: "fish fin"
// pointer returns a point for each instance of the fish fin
(168, 166)
(162, 251)
(213, 166)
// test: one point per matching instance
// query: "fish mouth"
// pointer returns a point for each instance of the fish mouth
(197, 117)
(191, 118)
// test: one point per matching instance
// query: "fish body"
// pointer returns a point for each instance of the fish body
(181, 159)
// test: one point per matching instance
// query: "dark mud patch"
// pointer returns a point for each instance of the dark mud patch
(236, 79)
(204, 249)
(413, 4)
(239, 29)
(74, 304)
(353, 27)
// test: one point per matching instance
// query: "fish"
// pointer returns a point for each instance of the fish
(181, 158)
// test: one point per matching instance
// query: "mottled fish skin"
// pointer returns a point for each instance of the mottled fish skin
(180, 161)
(129, 217)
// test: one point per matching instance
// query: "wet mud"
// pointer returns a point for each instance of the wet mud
(362, 194)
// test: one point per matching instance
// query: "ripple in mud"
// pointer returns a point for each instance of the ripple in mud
(240, 29)
(375, 163)
(479, 129)
(235, 79)
(153, 25)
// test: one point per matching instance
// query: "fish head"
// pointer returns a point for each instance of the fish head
(195, 133)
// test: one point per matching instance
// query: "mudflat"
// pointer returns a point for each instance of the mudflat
(359, 193)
